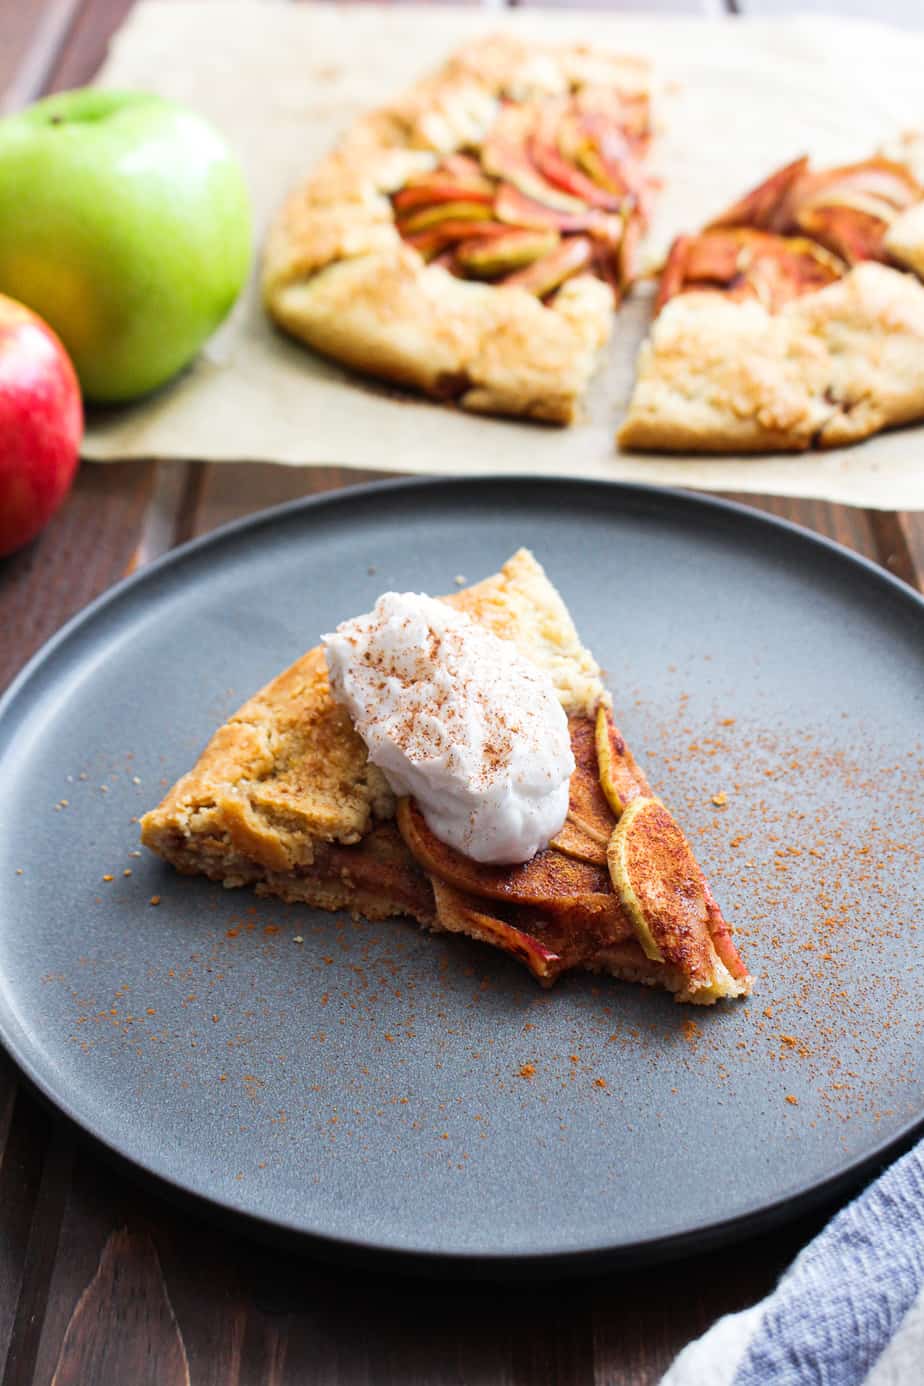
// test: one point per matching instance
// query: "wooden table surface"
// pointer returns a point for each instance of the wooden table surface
(102, 1281)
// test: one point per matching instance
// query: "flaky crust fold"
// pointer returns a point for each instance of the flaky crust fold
(829, 369)
(338, 276)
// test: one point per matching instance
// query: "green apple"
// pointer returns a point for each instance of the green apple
(125, 223)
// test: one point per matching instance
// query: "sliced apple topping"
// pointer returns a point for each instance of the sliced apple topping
(847, 209)
(551, 881)
(492, 257)
(451, 233)
(427, 217)
(433, 192)
(516, 209)
(762, 206)
(459, 913)
(743, 263)
(561, 174)
(617, 889)
(590, 822)
(505, 155)
(547, 151)
(544, 276)
(620, 778)
(664, 893)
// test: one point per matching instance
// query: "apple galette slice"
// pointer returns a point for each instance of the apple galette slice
(286, 798)
(472, 239)
(788, 322)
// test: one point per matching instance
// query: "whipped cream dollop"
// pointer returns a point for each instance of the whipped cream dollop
(458, 719)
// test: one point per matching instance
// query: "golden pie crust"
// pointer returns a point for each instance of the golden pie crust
(338, 275)
(754, 362)
(831, 368)
(284, 799)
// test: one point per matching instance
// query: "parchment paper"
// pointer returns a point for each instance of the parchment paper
(283, 81)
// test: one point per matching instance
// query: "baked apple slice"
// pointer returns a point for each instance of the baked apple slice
(847, 209)
(550, 881)
(742, 263)
(590, 822)
(491, 257)
(665, 894)
(620, 778)
(544, 276)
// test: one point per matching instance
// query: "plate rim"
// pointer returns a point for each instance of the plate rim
(591, 1257)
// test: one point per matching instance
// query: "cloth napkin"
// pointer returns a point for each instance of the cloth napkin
(848, 1312)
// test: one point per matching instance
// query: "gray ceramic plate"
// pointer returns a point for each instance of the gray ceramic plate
(365, 1084)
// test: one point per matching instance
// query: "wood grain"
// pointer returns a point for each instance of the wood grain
(87, 40)
(139, 1292)
(128, 1289)
(33, 37)
(87, 547)
(231, 490)
(23, 1145)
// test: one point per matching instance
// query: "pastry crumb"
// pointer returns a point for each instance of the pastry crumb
(154, 900)
(720, 799)
(526, 1070)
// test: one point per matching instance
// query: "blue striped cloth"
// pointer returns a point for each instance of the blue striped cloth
(848, 1312)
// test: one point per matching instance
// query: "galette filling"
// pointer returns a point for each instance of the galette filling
(556, 189)
(796, 232)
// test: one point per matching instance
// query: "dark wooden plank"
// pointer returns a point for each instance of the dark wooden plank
(138, 1292)
(34, 32)
(87, 42)
(913, 529)
(230, 490)
(895, 550)
(41, 1249)
(88, 545)
(23, 1148)
(909, 14)
(353, 1329)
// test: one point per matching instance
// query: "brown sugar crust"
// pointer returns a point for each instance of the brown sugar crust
(338, 276)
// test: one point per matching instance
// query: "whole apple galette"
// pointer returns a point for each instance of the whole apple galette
(456, 761)
(472, 239)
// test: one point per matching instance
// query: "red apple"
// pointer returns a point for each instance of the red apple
(41, 424)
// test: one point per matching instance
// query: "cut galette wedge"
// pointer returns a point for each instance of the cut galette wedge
(285, 799)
